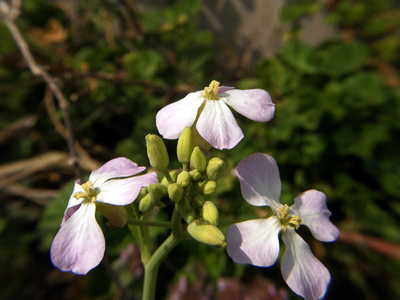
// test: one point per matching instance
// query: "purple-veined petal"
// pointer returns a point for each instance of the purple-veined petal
(259, 180)
(173, 118)
(124, 191)
(302, 271)
(223, 89)
(117, 167)
(255, 104)
(311, 208)
(79, 244)
(254, 242)
(218, 126)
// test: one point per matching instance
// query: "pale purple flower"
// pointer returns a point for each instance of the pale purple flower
(208, 110)
(256, 242)
(79, 244)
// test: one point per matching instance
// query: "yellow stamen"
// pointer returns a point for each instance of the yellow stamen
(89, 194)
(286, 219)
(211, 92)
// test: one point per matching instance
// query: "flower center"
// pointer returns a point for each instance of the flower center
(211, 92)
(287, 219)
(89, 194)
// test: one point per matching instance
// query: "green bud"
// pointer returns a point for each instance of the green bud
(195, 175)
(173, 174)
(185, 145)
(209, 187)
(183, 179)
(198, 160)
(198, 201)
(207, 234)
(175, 192)
(215, 168)
(116, 215)
(145, 204)
(210, 213)
(157, 191)
(157, 152)
(189, 216)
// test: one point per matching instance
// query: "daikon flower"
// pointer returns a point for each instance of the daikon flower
(208, 111)
(256, 242)
(79, 244)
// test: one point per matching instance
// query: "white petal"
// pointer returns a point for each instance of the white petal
(73, 203)
(173, 118)
(218, 126)
(302, 271)
(255, 104)
(124, 191)
(117, 167)
(79, 245)
(254, 242)
(259, 180)
(311, 208)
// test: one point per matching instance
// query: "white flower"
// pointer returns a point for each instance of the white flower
(79, 244)
(210, 113)
(256, 242)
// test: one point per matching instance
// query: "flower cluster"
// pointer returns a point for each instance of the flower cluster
(199, 121)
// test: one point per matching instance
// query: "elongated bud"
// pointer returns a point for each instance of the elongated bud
(209, 187)
(198, 160)
(195, 175)
(157, 152)
(185, 145)
(146, 204)
(116, 215)
(173, 174)
(207, 234)
(210, 213)
(175, 192)
(183, 179)
(215, 168)
(157, 191)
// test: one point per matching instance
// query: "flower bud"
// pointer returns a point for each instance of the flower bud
(175, 192)
(207, 234)
(185, 145)
(173, 174)
(116, 215)
(157, 191)
(215, 168)
(183, 179)
(195, 175)
(198, 201)
(157, 152)
(210, 213)
(189, 216)
(209, 187)
(198, 160)
(146, 204)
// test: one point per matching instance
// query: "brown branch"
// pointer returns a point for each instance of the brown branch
(376, 244)
(8, 15)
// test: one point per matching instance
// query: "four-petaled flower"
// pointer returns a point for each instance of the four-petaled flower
(256, 242)
(208, 111)
(79, 244)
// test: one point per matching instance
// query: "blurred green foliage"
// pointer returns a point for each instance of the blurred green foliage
(336, 129)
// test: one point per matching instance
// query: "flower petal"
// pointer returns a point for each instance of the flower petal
(255, 104)
(254, 242)
(79, 245)
(173, 118)
(117, 167)
(302, 271)
(259, 180)
(124, 191)
(311, 208)
(73, 203)
(218, 126)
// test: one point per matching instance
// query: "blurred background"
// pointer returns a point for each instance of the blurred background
(332, 68)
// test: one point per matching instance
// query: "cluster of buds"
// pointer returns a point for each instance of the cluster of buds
(186, 188)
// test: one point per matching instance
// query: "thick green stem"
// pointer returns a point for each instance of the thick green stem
(151, 268)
